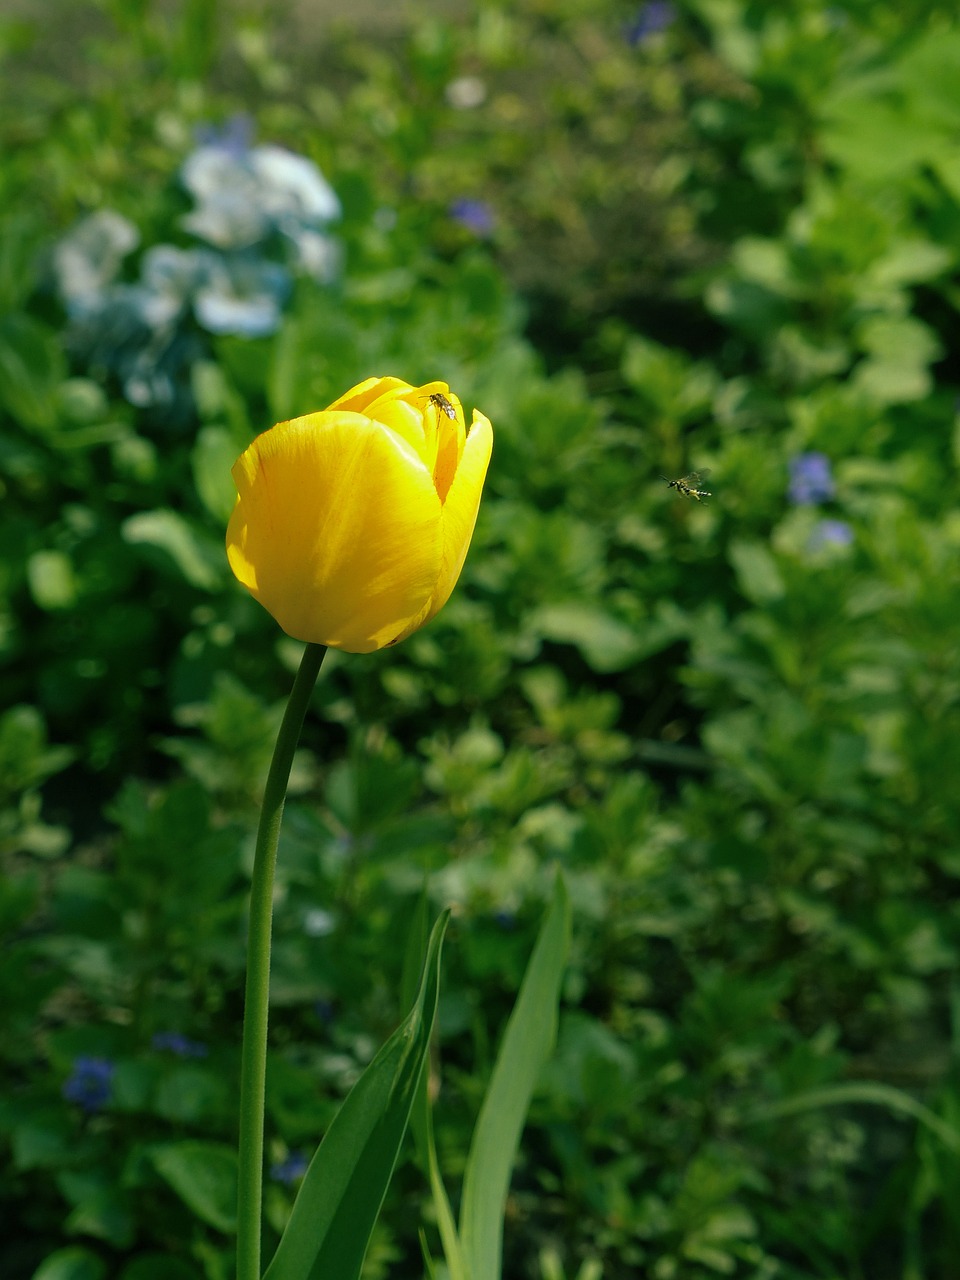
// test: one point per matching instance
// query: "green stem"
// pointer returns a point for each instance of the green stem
(253, 1067)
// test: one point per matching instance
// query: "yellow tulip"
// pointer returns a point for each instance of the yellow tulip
(352, 524)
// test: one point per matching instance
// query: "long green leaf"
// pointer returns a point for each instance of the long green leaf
(421, 1122)
(527, 1043)
(859, 1092)
(335, 1212)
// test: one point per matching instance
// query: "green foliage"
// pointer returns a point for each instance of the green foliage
(734, 724)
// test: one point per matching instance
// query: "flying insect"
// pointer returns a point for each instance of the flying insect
(440, 401)
(689, 485)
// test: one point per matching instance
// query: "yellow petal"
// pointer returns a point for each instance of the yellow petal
(408, 423)
(337, 530)
(459, 516)
(450, 446)
(360, 397)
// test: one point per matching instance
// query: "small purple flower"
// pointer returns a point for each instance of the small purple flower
(653, 18)
(830, 533)
(810, 479)
(175, 1043)
(475, 215)
(290, 1170)
(234, 135)
(90, 1085)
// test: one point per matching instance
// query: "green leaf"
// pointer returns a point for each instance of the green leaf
(204, 1176)
(175, 539)
(900, 350)
(421, 1124)
(606, 643)
(337, 1207)
(417, 942)
(214, 453)
(52, 581)
(860, 1093)
(757, 572)
(74, 1263)
(527, 1043)
(32, 366)
(159, 1266)
(103, 1212)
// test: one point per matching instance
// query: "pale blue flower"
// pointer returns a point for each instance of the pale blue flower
(169, 277)
(316, 254)
(243, 198)
(830, 533)
(228, 212)
(293, 186)
(234, 135)
(242, 296)
(88, 258)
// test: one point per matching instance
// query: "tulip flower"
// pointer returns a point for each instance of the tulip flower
(352, 524)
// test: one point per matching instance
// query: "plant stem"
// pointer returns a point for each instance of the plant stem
(253, 1067)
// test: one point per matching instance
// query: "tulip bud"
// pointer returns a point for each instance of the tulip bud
(352, 524)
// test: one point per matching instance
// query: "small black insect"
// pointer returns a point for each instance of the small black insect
(440, 401)
(689, 485)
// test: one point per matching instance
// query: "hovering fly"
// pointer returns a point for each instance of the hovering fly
(440, 401)
(689, 485)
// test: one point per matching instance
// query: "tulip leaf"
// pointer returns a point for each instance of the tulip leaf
(421, 1123)
(337, 1207)
(527, 1043)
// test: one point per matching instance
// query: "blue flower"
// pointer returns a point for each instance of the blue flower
(475, 215)
(91, 1084)
(653, 18)
(810, 479)
(242, 295)
(180, 1045)
(244, 198)
(262, 214)
(830, 533)
(234, 135)
(293, 186)
(315, 254)
(168, 279)
(86, 261)
(290, 1170)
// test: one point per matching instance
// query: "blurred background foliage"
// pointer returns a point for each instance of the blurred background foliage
(643, 239)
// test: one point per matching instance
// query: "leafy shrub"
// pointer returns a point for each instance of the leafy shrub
(733, 723)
